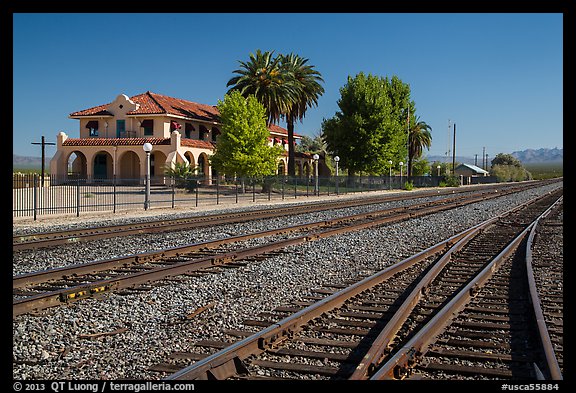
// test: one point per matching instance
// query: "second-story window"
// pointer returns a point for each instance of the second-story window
(148, 126)
(202, 132)
(92, 125)
(188, 128)
(215, 133)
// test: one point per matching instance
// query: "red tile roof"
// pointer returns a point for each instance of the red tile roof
(152, 103)
(135, 142)
(115, 141)
(278, 129)
(197, 143)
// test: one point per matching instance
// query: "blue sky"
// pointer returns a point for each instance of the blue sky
(498, 76)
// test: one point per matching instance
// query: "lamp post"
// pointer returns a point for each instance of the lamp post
(316, 157)
(147, 148)
(336, 159)
(401, 164)
(438, 167)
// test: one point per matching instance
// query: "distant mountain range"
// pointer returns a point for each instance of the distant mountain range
(528, 156)
(24, 162)
(531, 156)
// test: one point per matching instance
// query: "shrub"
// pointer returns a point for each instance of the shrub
(451, 181)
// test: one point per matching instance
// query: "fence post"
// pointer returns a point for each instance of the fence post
(114, 192)
(253, 191)
(34, 196)
(283, 180)
(197, 187)
(173, 190)
(295, 194)
(236, 182)
(217, 190)
(78, 197)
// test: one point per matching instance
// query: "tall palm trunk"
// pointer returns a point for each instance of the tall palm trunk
(291, 152)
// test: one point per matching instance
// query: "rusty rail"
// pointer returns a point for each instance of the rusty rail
(398, 366)
(54, 298)
(227, 362)
(547, 347)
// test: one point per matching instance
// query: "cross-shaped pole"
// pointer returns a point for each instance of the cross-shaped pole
(43, 143)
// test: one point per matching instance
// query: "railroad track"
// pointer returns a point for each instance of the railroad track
(54, 238)
(43, 289)
(396, 323)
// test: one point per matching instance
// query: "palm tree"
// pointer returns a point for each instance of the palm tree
(263, 78)
(182, 173)
(419, 137)
(308, 90)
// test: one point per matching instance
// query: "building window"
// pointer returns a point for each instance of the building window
(92, 125)
(148, 126)
(188, 128)
(202, 132)
(215, 133)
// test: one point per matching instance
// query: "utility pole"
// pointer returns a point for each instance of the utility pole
(447, 146)
(43, 143)
(454, 152)
(483, 158)
(476, 159)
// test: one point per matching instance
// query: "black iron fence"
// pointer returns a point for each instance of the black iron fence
(34, 196)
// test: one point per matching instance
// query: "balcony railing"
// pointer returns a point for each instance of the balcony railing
(127, 134)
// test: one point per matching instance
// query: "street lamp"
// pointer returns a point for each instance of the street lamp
(336, 159)
(316, 157)
(438, 167)
(401, 164)
(147, 148)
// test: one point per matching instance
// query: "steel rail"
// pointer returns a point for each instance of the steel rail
(45, 239)
(34, 278)
(399, 365)
(380, 346)
(54, 298)
(546, 343)
(228, 362)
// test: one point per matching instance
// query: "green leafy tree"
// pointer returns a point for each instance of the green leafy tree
(242, 149)
(306, 80)
(311, 145)
(510, 173)
(368, 130)
(506, 167)
(420, 167)
(419, 138)
(506, 159)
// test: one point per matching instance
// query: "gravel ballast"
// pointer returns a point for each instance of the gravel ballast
(150, 325)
